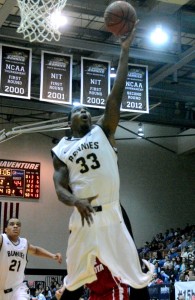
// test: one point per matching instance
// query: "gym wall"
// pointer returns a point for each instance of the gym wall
(157, 191)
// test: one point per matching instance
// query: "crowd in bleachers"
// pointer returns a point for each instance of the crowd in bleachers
(41, 291)
(172, 253)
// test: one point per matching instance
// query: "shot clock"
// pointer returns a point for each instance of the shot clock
(19, 179)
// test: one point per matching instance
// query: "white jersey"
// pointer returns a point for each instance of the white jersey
(92, 165)
(93, 170)
(13, 261)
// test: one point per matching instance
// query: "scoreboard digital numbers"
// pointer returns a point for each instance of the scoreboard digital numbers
(19, 179)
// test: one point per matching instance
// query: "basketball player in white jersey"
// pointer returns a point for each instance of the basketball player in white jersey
(86, 177)
(13, 259)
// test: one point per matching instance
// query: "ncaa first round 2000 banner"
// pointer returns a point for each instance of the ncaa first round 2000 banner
(135, 96)
(15, 75)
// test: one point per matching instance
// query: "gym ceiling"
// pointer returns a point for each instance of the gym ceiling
(171, 67)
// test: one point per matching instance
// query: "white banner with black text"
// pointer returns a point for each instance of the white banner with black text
(56, 78)
(15, 71)
(185, 290)
(95, 82)
(135, 96)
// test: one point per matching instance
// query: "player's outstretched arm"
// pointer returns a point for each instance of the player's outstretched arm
(1, 241)
(59, 293)
(41, 252)
(110, 119)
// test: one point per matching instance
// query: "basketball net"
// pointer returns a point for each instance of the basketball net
(36, 23)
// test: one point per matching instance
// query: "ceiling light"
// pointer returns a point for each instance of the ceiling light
(76, 103)
(140, 131)
(159, 36)
(112, 72)
(57, 19)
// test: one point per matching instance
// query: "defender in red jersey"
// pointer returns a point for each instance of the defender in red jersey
(107, 287)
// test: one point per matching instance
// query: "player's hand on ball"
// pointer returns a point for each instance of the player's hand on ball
(127, 39)
(120, 17)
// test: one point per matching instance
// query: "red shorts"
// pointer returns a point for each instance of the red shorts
(117, 293)
(107, 287)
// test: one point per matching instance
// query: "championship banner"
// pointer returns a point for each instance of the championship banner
(95, 82)
(56, 77)
(185, 290)
(15, 71)
(8, 210)
(135, 96)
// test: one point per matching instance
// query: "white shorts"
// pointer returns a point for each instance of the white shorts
(21, 292)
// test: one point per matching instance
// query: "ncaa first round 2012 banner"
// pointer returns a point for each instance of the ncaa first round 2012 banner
(15, 75)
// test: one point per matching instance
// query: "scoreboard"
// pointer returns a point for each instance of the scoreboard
(19, 179)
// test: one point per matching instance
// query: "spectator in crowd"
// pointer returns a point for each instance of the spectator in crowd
(186, 275)
(166, 235)
(158, 237)
(48, 294)
(153, 259)
(157, 269)
(191, 274)
(161, 262)
(165, 277)
(52, 283)
(182, 242)
(191, 254)
(167, 262)
(183, 267)
(176, 266)
(39, 294)
(56, 287)
(186, 241)
(145, 250)
(171, 273)
(160, 248)
(173, 253)
(171, 233)
(170, 243)
(184, 252)
(156, 279)
(177, 255)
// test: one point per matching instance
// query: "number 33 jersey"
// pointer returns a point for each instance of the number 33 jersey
(92, 166)
(93, 170)
(13, 259)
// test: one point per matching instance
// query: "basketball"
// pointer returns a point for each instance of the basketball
(120, 17)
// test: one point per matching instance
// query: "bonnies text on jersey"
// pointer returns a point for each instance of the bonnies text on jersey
(15, 253)
(84, 146)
